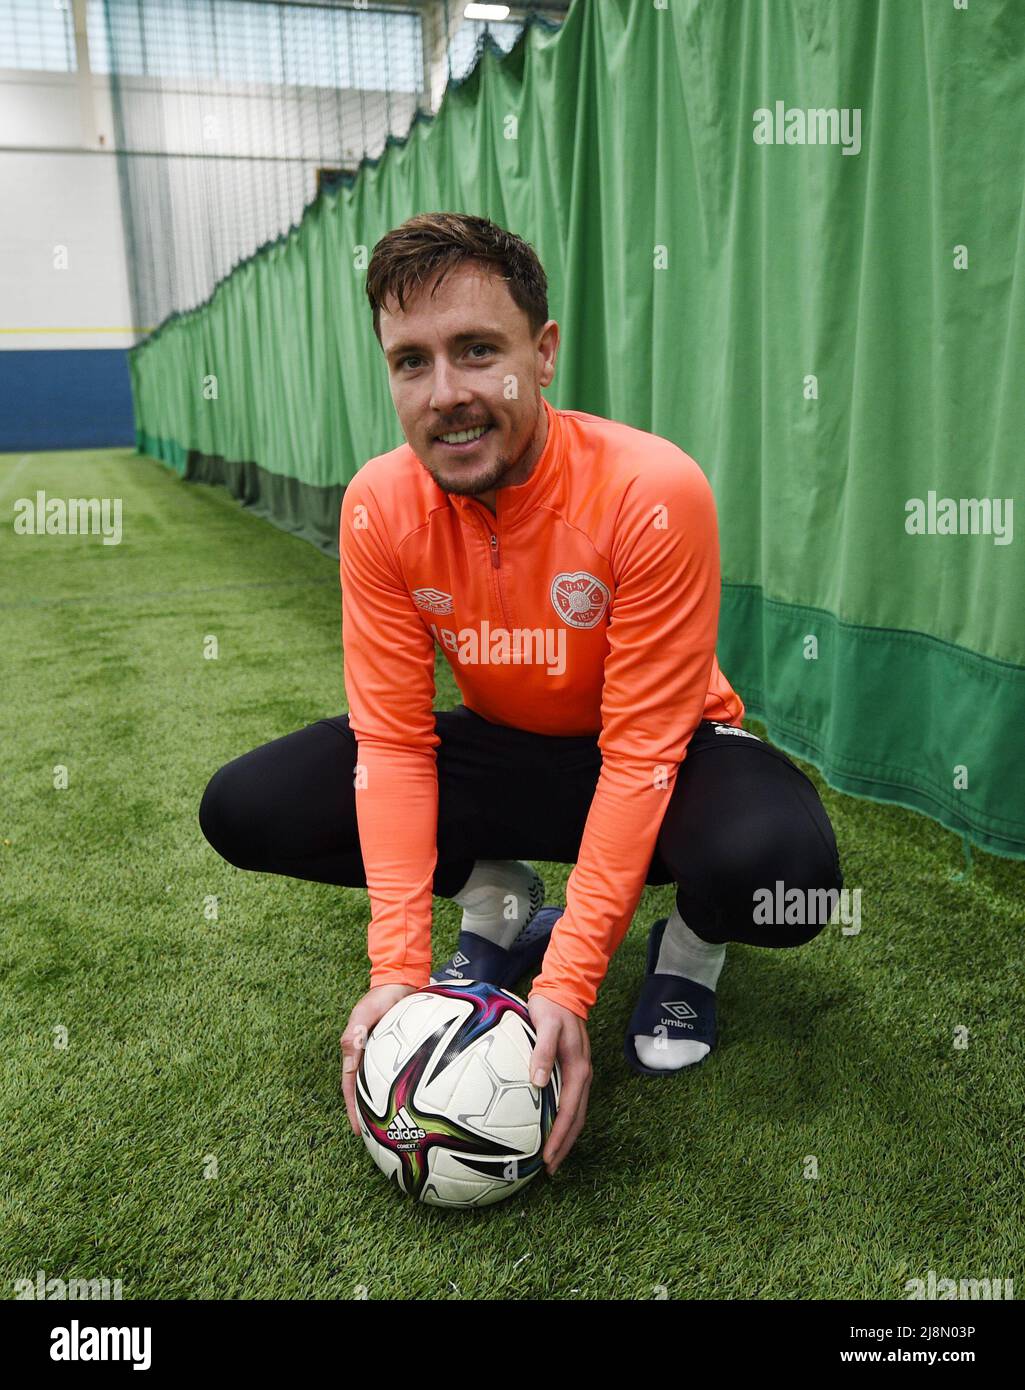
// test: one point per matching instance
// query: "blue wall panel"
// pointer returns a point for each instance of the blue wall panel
(65, 399)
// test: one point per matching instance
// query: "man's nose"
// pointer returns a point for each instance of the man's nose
(448, 388)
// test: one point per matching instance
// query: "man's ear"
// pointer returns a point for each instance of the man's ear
(548, 347)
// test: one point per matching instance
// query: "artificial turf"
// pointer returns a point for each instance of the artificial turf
(191, 1140)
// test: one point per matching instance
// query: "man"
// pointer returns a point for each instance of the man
(568, 568)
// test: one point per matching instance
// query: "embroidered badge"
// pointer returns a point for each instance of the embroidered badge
(579, 598)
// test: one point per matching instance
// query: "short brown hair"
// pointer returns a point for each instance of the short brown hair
(409, 255)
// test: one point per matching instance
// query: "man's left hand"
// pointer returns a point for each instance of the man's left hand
(561, 1035)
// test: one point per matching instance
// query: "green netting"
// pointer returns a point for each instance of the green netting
(230, 115)
(800, 319)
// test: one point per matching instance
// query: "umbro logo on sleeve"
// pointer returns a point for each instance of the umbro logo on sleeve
(433, 600)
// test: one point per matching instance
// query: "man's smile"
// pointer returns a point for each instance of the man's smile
(463, 441)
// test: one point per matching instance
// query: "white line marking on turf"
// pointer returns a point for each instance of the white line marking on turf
(6, 481)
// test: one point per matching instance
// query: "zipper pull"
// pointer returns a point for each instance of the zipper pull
(494, 550)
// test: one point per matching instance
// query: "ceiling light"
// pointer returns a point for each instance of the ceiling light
(486, 12)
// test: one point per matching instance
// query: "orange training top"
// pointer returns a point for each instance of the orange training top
(588, 605)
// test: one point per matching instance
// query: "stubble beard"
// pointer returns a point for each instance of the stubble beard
(490, 479)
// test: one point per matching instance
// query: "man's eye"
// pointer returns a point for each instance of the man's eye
(486, 347)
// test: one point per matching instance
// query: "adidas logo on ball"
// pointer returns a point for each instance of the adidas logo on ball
(403, 1133)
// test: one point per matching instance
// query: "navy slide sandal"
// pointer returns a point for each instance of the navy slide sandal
(681, 1008)
(479, 959)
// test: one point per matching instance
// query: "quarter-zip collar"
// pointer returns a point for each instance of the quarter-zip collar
(512, 504)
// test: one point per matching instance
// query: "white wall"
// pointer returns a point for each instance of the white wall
(64, 278)
(55, 193)
(62, 246)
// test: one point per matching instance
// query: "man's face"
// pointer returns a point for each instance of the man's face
(463, 358)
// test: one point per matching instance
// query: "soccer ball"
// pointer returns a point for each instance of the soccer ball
(445, 1101)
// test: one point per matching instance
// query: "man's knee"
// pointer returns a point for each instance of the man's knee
(792, 911)
(225, 817)
(779, 888)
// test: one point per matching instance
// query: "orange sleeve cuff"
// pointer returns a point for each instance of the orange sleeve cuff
(416, 979)
(560, 996)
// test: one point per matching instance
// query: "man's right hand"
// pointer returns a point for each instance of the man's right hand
(362, 1021)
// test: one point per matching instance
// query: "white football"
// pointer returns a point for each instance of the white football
(445, 1101)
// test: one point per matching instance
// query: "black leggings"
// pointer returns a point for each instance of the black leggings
(741, 817)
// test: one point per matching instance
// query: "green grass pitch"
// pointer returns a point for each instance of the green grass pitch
(196, 1047)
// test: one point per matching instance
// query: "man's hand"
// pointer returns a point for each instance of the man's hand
(561, 1035)
(362, 1022)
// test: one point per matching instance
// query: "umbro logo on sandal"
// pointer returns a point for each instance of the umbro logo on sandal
(680, 1010)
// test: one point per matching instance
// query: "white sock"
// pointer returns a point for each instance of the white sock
(499, 899)
(681, 953)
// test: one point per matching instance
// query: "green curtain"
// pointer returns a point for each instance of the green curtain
(831, 332)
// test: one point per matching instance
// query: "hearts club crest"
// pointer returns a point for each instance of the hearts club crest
(579, 598)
